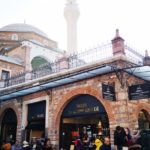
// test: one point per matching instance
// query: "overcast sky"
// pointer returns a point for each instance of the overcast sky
(97, 23)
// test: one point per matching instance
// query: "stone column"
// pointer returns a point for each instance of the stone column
(18, 103)
(121, 106)
(27, 63)
(118, 44)
(146, 59)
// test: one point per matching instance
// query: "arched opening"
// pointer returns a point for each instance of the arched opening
(38, 62)
(144, 120)
(85, 118)
(8, 126)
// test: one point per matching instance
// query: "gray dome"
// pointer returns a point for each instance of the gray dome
(22, 27)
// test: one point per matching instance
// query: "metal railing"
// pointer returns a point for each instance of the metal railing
(134, 55)
(92, 55)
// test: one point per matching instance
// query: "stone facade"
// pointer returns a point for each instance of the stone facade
(18, 48)
(12, 68)
(121, 112)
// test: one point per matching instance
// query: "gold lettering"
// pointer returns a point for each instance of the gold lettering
(84, 105)
(96, 108)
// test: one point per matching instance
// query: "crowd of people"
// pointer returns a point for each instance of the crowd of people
(34, 145)
(93, 144)
(123, 140)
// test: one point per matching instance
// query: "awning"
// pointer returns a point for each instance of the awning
(60, 81)
(142, 72)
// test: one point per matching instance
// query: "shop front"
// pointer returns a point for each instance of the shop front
(36, 120)
(8, 126)
(84, 118)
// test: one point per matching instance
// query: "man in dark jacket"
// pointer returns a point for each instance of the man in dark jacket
(106, 145)
(120, 138)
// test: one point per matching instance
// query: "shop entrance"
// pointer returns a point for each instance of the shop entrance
(83, 118)
(9, 126)
(36, 120)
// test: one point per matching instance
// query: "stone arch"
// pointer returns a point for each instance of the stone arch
(85, 90)
(144, 108)
(12, 106)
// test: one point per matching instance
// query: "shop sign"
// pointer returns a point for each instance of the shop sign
(83, 105)
(36, 110)
(108, 92)
(140, 91)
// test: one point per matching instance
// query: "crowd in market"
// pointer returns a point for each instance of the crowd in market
(123, 140)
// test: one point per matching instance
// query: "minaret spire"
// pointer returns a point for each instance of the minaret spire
(71, 14)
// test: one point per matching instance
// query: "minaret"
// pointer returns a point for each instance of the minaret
(71, 14)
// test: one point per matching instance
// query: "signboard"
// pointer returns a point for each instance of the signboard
(36, 110)
(108, 92)
(83, 105)
(140, 91)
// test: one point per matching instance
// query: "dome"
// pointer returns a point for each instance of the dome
(22, 27)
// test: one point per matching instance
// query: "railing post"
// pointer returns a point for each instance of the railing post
(146, 59)
(118, 44)
(2, 84)
(64, 62)
(28, 76)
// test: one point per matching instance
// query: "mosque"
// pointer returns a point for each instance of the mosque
(46, 92)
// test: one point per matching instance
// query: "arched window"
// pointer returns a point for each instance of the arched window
(40, 67)
(38, 62)
(14, 37)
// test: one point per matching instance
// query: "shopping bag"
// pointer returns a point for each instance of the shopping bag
(125, 148)
(72, 147)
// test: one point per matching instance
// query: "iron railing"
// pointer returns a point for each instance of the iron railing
(134, 55)
(92, 55)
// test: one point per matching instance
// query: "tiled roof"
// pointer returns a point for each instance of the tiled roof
(10, 60)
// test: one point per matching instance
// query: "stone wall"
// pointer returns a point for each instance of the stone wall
(120, 112)
(13, 68)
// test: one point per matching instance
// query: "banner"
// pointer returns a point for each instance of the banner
(108, 92)
(140, 91)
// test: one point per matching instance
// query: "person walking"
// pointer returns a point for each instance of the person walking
(128, 137)
(47, 144)
(7, 146)
(16, 146)
(98, 143)
(120, 138)
(106, 144)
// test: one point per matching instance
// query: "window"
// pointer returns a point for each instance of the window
(5, 75)
(14, 37)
